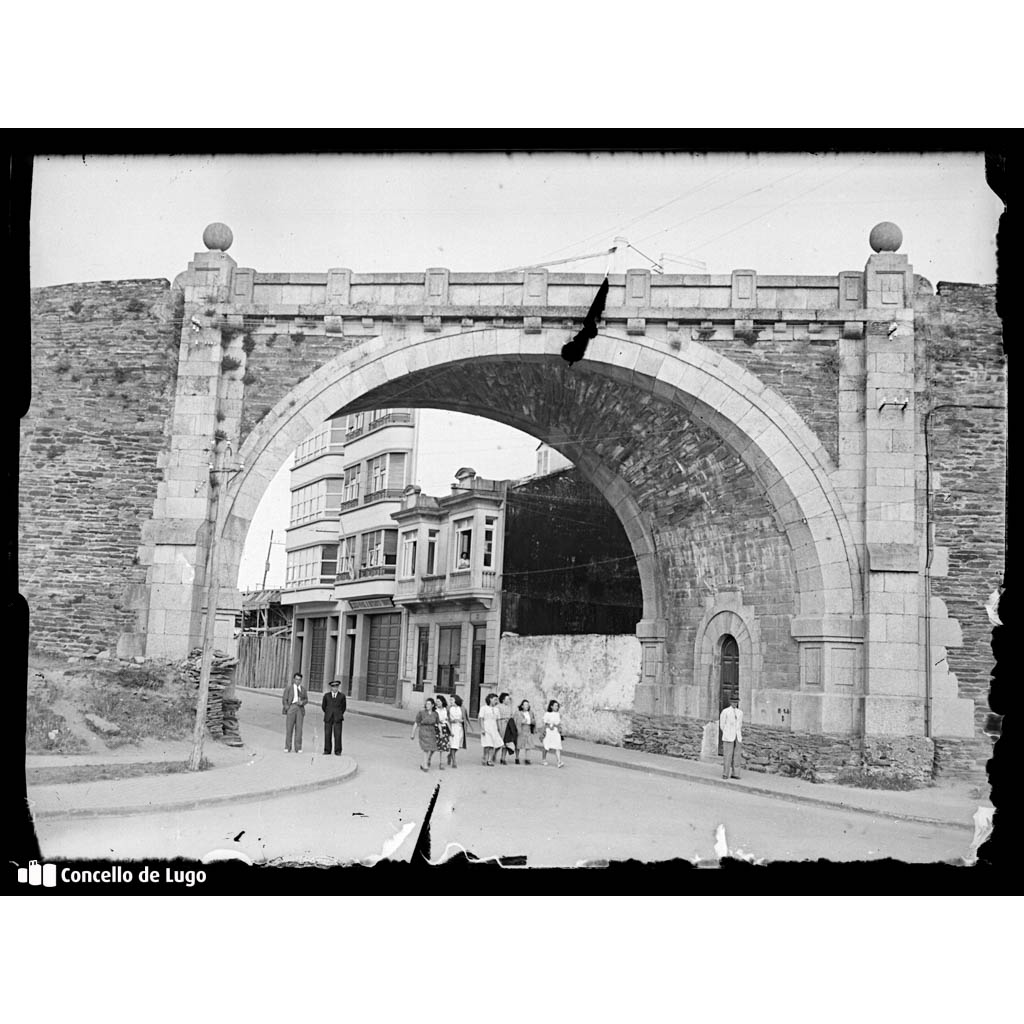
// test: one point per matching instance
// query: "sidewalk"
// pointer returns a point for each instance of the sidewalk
(258, 769)
(936, 805)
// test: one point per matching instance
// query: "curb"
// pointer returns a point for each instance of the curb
(797, 798)
(189, 805)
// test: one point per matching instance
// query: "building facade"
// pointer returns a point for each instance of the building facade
(380, 461)
(317, 483)
(346, 481)
(448, 585)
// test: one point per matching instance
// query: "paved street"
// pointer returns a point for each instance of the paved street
(585, 811)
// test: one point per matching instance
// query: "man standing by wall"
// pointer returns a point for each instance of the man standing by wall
(333, 704)
(731, 723)
(293, 706)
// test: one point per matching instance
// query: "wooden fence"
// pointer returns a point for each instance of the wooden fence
(263, 661)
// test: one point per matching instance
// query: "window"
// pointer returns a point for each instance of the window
(463, 543)
(328, 563)
(379, 553)
(312, 566)
(352, 483)
(377, 472)
(409, 553)
(489, 542)
(347, 558)
(334, 487)
(331, 434)
(354, 423)
(315, 500)
(431, 552)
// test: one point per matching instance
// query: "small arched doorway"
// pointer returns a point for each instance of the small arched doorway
(728, 677)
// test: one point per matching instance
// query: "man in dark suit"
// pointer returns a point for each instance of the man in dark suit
(333, 704)
(293, 705)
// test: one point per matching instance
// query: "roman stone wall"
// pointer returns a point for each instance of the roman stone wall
(964, 365)
(280, 357)
(104, 359)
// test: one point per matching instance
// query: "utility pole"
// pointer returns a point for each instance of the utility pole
(212, 597)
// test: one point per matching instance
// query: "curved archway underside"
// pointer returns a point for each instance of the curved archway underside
(718, 483)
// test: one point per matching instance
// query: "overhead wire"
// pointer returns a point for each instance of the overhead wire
(726, 204)
(786, 202)
(714, 180)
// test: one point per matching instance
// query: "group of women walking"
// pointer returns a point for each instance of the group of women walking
(441, 728)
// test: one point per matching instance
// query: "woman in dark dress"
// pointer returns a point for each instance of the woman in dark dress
(425, 727)
(443, 731)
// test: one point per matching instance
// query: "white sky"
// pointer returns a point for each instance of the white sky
(110, 217)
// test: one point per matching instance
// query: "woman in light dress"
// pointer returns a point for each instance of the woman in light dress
(553, 733)
(526, 726)
(490, 738)
(443, 731)
(457, 725)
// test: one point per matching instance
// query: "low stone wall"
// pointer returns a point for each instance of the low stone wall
(660, 734)
(817, 758)
(962, 758)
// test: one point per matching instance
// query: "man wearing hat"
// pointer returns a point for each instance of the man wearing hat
(334, 715)
(731, 723)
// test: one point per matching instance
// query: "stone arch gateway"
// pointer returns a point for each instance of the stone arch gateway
(770, 439)
(758, 437)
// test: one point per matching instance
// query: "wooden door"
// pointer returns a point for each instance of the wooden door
(476, 677)
(385, 636)
(449, 645)
(317, 652)
(728, 677)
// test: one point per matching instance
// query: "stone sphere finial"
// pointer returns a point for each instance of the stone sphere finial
(218, 236)
(885, 237)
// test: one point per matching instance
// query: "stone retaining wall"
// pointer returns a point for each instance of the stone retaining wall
(817, 758)
(962, 758)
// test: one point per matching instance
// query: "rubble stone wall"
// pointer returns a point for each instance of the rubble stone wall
(104, 358)
(817, 757)
(964, 365)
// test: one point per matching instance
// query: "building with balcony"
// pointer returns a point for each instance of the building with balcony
(380, 460)
(449, 560)
(541, 556)
(346, 481)
(317, 480)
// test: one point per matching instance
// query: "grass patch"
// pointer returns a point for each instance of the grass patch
(46, 732)
(865, 780)
(142, 712)
(62, 774)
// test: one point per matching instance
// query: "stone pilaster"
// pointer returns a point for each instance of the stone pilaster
(895, 684)
(176, 538)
